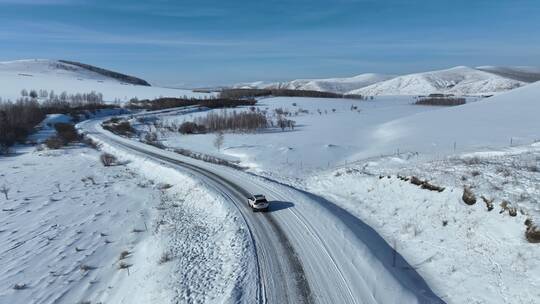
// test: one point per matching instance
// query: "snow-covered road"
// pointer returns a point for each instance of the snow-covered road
(307, 248)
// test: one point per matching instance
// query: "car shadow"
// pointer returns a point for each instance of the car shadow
(279, 205)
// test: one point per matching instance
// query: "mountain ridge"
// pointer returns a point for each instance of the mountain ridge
(459, 80)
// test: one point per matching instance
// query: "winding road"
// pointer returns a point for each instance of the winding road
(308, 249)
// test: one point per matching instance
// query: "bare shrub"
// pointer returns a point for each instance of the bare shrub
(440, 101)
(532, 233)
(124, 265)
(108, 159)
(472, 160)
(424, 184)
(67, 132)
(475, 173)
(507, 206)
(164, 186)
(119, 127)
(5, 191)
(85, 267)
(124, 254)
(488, 202)
(416, 181)
(189, 127)
(504, 171)
(468, 196)
(165, 257)
(285, 123)
(427, 185)
(19, 286)
(54, 142)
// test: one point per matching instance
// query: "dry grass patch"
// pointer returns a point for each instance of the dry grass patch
(124, 254)
(124, 265)
(165, 257)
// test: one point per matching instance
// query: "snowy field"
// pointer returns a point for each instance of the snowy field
(51, 75)
(467, 253)
(74, 231)
(328, 133)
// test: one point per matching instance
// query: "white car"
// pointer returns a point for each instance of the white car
(258, 202)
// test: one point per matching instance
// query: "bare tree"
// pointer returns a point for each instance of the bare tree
(219, 140)
(5, 190)
(33, 94)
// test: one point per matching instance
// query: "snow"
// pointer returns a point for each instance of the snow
(37, 74)
(459, 80)
(509, 118)
(67, 220)
(335, 85)
(353, 257)
(66, 210)
(466, 253)
(318, 141)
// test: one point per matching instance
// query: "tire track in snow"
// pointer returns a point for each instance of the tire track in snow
(290, 273)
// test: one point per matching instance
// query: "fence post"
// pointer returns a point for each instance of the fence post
(394, 254)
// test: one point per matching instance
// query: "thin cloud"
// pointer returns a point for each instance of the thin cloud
(60, 32)
(41, 2)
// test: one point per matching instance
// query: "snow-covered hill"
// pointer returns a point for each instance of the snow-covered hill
(38, 74)
(335, 85)
(510, 117)
(459, 80)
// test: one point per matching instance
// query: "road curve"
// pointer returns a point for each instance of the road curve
(308, 249)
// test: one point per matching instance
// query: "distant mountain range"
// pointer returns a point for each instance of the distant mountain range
(459, 80)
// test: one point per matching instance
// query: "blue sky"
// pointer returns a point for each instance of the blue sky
(209, 42)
